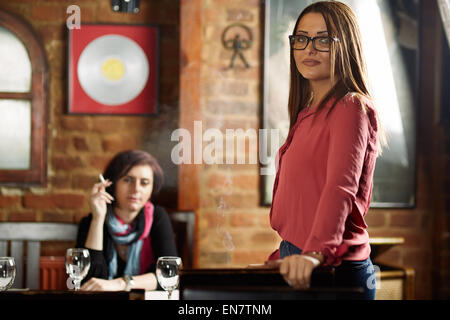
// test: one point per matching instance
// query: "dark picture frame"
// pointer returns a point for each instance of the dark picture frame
(395, 23)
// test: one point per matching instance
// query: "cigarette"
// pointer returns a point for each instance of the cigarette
(101, 178)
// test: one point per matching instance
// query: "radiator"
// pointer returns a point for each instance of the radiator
(52, 273)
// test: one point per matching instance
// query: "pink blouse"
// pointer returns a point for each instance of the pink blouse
(324, 181)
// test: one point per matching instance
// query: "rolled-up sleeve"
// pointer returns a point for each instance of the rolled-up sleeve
(349, 128)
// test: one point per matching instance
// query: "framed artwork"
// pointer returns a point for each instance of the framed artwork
(391, 45)
(113, 69)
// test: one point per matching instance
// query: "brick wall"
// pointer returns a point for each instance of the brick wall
(233, 230)
(79, 147)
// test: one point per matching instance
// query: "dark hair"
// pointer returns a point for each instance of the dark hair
(124, 161)
(348, 64)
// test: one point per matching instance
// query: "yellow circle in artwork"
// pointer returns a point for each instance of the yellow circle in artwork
(113, 69)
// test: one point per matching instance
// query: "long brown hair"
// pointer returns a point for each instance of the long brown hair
(348, 66)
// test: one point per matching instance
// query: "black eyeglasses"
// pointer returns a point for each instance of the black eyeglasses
(322, 44)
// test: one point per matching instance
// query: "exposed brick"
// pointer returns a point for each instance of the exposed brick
(117, 144)
(391, 256)
(55, 49)
(208, 220)
(246, 182)
(22, 216)
(75, 123)
(78, 215)
(207, 201)
(219, 181)
(220, 107)
(8, 201)
(404, 219)
(235, 88)
(247, 257)
(69, 201)
(235, 167)
(241, 15)
(263, 239)
(242, 220)
(99, 162)
(60, 181)
(231, 124)
(66, 163)
(416, 258)
(3, 216)
(61, 144)
(84, 181)
(264, 220)
(211, 259)
(80, 144)
(35, 201)
(137, 124)
(49, 13)
(50, 32)
(57, 217)
(54, 201)
(107, 125)
(240, 200)
(375, 219)
(88, 12)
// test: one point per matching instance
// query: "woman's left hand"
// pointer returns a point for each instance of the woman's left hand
(297, 270)
(96, 284)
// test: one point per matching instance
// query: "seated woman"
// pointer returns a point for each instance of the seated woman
(125, 233)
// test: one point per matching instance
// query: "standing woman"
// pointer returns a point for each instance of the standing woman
(125, 233)
(325, 169)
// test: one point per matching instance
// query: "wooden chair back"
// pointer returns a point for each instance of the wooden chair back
(22, 240)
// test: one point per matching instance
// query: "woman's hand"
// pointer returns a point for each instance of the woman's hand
(98, 200)
(96, 284)
(297, 269)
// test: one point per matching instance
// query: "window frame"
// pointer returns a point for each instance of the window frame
(37, 96)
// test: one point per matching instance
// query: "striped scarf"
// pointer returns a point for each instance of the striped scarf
(136, 236)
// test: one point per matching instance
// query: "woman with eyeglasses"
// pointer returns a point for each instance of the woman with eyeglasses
(325, 169)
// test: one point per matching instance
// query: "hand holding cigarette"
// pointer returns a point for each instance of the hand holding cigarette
(99, 198)
(102, 179)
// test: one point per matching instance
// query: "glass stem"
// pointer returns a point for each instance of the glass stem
(170, 293)
(77, 284)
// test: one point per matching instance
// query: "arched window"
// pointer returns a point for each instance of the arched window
(23, 103)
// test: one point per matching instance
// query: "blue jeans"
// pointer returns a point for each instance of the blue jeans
(347, 274)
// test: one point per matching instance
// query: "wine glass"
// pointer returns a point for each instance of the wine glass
(77, 265)
(7, 272)
(167, 273)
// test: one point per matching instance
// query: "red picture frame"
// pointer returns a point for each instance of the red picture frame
(106, 63)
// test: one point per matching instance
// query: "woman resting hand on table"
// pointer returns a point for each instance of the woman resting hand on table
(324, 179)
(125, 233)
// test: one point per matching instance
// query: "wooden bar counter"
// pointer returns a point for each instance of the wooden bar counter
(258, 284)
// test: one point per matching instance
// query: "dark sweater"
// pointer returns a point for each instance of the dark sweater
(162, 239)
